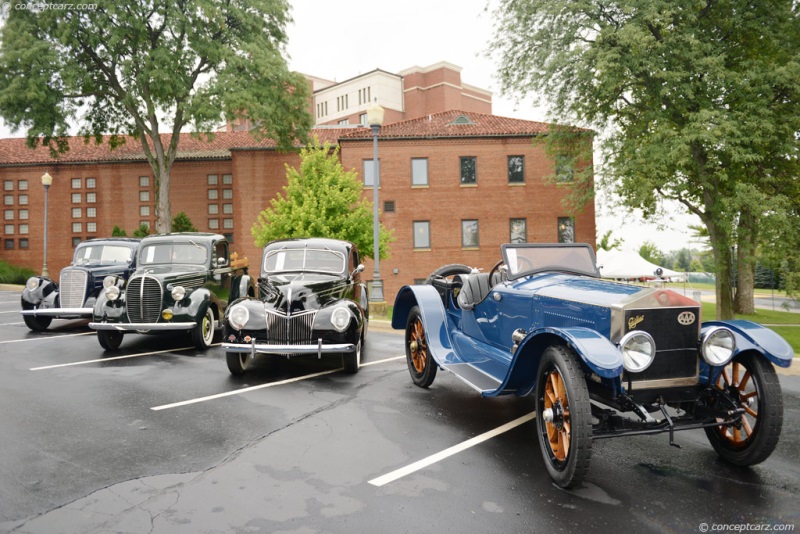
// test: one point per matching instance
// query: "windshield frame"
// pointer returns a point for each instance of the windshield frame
(82, 247)
(145, 247)
(304, 269)
(552, 262)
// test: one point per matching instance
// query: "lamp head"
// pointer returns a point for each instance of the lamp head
(47, 180)
(375, 114)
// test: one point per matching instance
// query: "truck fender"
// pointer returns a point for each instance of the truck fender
(240, 286)
(753, 336)
(44, 296)
(433, 318)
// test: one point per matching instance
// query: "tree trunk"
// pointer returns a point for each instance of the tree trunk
(747, 237)
(163, 204)
(720, 244)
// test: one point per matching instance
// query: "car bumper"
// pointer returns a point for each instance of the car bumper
(263, 348)
(142, 327)
(59, 312)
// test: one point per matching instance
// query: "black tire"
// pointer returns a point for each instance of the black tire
(351, 361)
(36, 324)
(563, 416)
(751, 380)
(109, 339)
(203, 333)
(238, 362)
(421, 365)
(448, 270)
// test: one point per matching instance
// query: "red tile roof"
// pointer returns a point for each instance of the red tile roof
(454, 123)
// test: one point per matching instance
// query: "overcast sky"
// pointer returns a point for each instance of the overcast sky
(340, 40)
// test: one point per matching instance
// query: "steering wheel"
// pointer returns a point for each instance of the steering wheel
(494, 269)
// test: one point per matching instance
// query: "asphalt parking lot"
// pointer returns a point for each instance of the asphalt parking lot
(158, 437)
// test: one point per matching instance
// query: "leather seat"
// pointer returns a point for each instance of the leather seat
(475, 288)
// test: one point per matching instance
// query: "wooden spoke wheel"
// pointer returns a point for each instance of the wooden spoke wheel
(420, 363)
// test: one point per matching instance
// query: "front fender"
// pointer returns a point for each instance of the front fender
(599, 354)
(44, 296)
(194, 305)
(240, 286)
(433, 316)
(753, 336)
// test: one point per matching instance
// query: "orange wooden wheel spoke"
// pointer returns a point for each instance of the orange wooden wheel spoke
(743, 384)
(724, 377)
(748, 430)
(735, 374)
(751, 411)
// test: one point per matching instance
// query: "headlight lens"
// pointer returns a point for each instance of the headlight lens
(178, 292)
(109, 281)
(638, 351)
(238, 317)
(32, 283)
(112, 292)
(718, 346)
(340, 319)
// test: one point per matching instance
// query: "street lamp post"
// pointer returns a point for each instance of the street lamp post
(47, 180)
(375, 120)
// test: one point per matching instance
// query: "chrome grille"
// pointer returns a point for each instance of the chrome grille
(190, 283)
(72, 290)
(143, 296)
(293, 330)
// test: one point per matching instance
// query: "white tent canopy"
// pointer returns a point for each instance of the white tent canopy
(627, 265)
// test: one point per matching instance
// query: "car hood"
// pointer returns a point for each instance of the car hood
(599, 292)
(99, 270)
(293, 293)
(183, 274)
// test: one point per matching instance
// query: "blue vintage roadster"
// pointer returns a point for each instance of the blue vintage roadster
(602, 359)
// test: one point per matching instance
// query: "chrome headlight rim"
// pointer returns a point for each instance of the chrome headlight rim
(112, 293)
(32, 283)
(636, 361)
(340, 318)
(711, 351)
(177, 293)
(238, 316)
(109, 281)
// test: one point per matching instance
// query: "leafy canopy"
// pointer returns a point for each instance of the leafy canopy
(182, 223)
(321, 199)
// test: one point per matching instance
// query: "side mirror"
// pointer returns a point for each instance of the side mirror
(359, 269)
(222, 262)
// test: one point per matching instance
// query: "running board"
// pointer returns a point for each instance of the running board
(473, 376)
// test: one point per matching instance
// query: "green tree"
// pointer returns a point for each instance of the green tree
(118, 232)
(142, 231)
(700, 101)
(321, 200)
(651, 253)
(606, 242)
(182, 223)
(150, 69)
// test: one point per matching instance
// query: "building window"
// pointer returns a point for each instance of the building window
(76, 241)
(146, 224)
(8, 200)
(213, 194)
(213, 179)
(566, 230)
(76, 198)
(518, 229)
(144, 196)
(213, 224)
(144, 181)
(344, 122)
(77, 227)
(8, 185)
(91, 198)
(388, 206)
(23, 200)
(23, 215)
(469, 172)
(23, 186)
(8, 244)
(23, 243)
(213, 209)
(91, 227)
(9, 229)
(369, 172)
(229, 237)
(227, 194)
(516, 169)
(227, 179)
(91, 183)
(9, 215)
(469, 233)
(227, 209)
(362, 119)
(563, 169)
(419, 171)
(227, 223)
(91, 213)
(144, 211)
(23, 229)
(77, 213)
(76, 183)
(422, 234)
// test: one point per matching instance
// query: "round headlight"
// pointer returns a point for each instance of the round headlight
(718, 346)
(178, 292)
(340, 319)
(638, 351)
(112, 292)
(238, 317)
(32, 283)
(109, 281)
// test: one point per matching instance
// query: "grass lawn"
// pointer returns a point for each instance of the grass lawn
(784, 323)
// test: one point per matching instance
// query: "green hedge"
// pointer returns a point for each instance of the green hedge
(11, 274)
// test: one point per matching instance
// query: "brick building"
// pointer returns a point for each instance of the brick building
(455, 185)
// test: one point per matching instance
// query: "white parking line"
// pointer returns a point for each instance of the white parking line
(11, 324)
(137, 355)
(432, 459)
(262, 386)
(46, 337)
